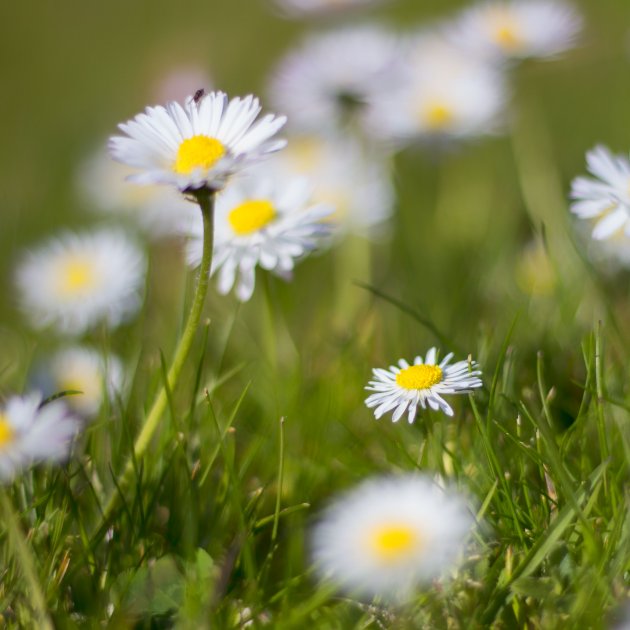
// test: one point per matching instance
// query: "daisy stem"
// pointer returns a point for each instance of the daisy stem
(205, 199)
(24, 557)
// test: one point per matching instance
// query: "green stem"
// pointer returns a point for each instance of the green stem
(206, 203)
(23, 556)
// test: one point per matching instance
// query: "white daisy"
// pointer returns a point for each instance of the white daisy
(327, 82)
(390, 535)
(30, 433)
(358, 185)
(260, 222)
(604, 199)
(403, 387)
(87, 371)
(76, 281)
(501, 29)
(442, 92)
(158, 210)
(305, 8)
(198, 145)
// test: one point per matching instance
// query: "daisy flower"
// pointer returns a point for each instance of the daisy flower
(604, 199)
(305, 8)
(30, 433)
(76, 281)
(503, 29)
(442, 93)
(197, 145)
(329, 80)
(403, 387)
(87, 371)
(357, 184)
(390, 535)
(260, 223)
(159, 211)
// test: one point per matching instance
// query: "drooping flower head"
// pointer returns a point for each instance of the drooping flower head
(605, 198)
(504, 29)
(442, 92)
(261, 222)
(76, 281)
(331, 77)
(30, 434)
(85, 370)
(403, 387)
(197, 145)
(391, 535)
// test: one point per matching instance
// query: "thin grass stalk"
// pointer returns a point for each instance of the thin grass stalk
(205, 199)
(24, 557)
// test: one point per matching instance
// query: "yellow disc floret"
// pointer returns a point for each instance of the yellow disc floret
(6, 431)
(393, 541)
(506, 37)
(198, 152)
(438, 116)
(419, 376)
(251, 216)
(76, 275)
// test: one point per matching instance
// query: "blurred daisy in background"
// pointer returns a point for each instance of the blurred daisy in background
(504, 29)
(76, 281)
(159, 211)
(306, 8)
(390, 535)
(87, 371)
(402, 388)
(197, 145)
(357, 183)
(177, 82)
(327, 82)
(605, 198)
(442, 93)
(261, 223)
(30, 433)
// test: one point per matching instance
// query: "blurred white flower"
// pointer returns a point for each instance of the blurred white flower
(158, 210)
(306, 8)
(76, 281)
(503, 29)
(442, 93)
(260, 221)
(327, 82)
(401, 388)
(177, 82)
(391, 535)
(198, 145)
(358, 185)
(30, 434)
(89, 372)
(604, 199)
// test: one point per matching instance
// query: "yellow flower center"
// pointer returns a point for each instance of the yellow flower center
(251, 216)
(6, 431)
(438, 116)
(198, 152)
(77, 274)
(393, 541)
(506, 37)
(419, 376)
